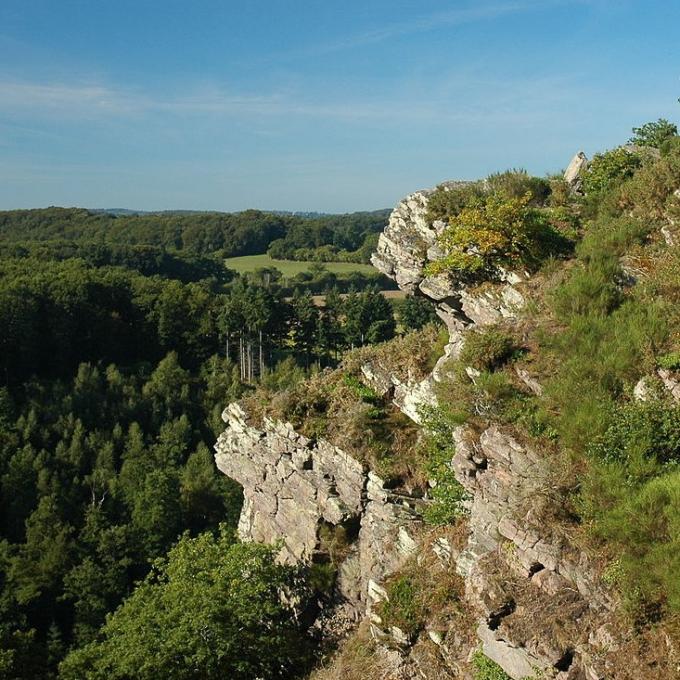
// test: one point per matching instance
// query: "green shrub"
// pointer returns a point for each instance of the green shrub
(649, 193)
(670, 362)
(653, 134)
(670, 146)
(446, 201)
(640, 431)
(642, 523)
(606, 169)
(402, 608)
(360, 390)
(516, 183)
(589, 291)
(321, 577)
(488, 232)
(487, 350)
(437, 450)
(486, 669)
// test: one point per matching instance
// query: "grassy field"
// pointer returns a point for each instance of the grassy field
(249, 263)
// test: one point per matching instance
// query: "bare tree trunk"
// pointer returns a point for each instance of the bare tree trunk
(240, 358)
(261, 357)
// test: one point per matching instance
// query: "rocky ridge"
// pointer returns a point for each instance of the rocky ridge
(538, 607)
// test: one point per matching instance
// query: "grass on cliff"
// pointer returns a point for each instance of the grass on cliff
(338, 406)
(598, 324)
(608, 327)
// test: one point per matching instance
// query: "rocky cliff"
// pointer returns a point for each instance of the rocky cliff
(532, 603)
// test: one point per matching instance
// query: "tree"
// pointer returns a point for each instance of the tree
(487, 232)
(214, 609)
(303, 324)
(415, 312)
(653, 134)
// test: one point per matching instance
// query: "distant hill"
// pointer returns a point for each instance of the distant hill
(305, 236)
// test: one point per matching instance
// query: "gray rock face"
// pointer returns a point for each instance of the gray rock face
(572, 175)
(537, 603)
(295, 490)
(515, 574)
(404, 248)
(409, 396)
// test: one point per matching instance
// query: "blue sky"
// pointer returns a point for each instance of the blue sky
(315, 104)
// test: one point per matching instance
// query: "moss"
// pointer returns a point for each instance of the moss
(486, 669)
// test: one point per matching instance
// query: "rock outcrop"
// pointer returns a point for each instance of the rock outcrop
(405, 247)
(574, 171)
(537, 598)
(300, 492)
(536, 603)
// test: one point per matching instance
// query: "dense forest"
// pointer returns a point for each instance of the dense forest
(118, 352)
(328, 237)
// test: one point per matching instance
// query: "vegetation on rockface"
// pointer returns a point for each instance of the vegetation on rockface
(212, 609)
(487, 350)
(336, 405)
(422, 592)
(593, 329)
(437, 450)
(614, 329)
(654, 134)
(486, 669)
(503, 221)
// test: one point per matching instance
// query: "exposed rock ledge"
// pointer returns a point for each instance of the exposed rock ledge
(538, 607)
(293, 487)
(409, 242)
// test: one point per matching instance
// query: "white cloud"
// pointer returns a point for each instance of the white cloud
(477, 12)
(450, 98)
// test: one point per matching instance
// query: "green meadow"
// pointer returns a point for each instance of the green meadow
(249, 263)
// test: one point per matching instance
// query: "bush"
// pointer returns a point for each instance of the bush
(671, 361)
(448, 496)
(640, 432)
(649, 193)
(447, 201)
(486, 669)
(419, 593)
(670, 146)
(641, 523)
(489, 232)
(606, 169)
(517, 183)
(653, 134)
(402, 608)
(487, 350)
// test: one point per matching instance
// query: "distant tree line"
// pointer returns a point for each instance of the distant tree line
(145, 259)
(225, 234)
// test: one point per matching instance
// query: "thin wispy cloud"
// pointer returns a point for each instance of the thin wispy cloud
(428, 22)
(36, 101)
